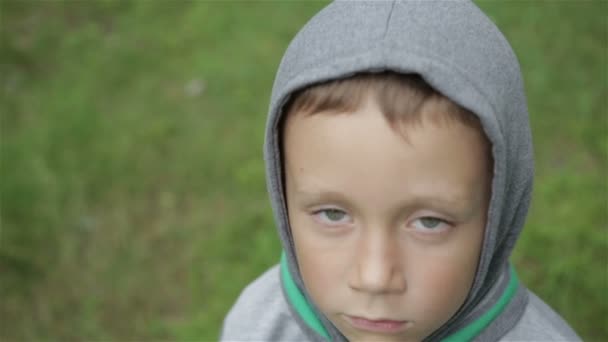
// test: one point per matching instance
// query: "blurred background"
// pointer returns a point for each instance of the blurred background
(133, 203)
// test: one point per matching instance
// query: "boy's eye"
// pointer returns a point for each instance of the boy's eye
(332, 216)
(430, 224)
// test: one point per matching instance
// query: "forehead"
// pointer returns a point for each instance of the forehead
(358, 153)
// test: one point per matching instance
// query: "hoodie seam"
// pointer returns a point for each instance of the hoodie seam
(388, 20)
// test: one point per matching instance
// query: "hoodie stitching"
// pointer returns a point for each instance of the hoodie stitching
(388, 20)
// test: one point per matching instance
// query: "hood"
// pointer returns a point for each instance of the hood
(461, 54)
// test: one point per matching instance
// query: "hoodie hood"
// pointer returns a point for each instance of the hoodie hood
(457, 50)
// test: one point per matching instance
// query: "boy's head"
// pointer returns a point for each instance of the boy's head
(399, 166)
(387, 187)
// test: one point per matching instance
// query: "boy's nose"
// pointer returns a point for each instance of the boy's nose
(378, 268)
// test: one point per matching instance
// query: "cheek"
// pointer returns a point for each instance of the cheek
(444, 280)
(317, 274)
(322, 264)
(444, 288)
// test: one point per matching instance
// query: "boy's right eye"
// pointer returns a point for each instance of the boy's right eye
(332, 216)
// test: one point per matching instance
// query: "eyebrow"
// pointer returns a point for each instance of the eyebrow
(450, 202)
(316, 196)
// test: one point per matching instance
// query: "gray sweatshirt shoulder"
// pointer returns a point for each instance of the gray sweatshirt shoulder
(540, 323)
(261, 313)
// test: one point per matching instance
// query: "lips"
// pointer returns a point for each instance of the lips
(378, 325)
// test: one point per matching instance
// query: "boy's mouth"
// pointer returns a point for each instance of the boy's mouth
(378, 325)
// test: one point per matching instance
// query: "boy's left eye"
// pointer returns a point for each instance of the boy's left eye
(430, 224)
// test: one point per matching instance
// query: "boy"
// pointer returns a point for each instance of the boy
(399, 165)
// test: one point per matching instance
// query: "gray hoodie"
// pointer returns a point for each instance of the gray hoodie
(462, 54)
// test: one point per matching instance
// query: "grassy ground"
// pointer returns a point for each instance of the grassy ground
(133, 204)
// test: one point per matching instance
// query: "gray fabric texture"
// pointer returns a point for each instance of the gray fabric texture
(539, 323)
(262, 314)
(460, 53)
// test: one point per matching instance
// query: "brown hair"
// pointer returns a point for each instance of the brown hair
(401, 99)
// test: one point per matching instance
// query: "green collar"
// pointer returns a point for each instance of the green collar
(308, 315)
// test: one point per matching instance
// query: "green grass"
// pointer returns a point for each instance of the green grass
(133, 203)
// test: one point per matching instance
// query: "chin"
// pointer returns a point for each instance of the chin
(405, 333)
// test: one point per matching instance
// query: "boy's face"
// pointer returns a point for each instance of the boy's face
(387, 232)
